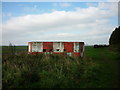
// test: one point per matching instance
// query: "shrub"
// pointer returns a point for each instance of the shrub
(114, 40)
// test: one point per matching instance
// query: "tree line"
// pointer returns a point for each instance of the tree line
(114, 41)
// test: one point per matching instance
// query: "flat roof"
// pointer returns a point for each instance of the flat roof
(57, 41)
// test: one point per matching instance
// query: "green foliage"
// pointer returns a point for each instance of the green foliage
(114, 40)
(115, 36)
(58, 71)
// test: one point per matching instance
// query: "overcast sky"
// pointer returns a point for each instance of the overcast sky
(90, 22)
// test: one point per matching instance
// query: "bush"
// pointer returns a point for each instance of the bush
(114, 40)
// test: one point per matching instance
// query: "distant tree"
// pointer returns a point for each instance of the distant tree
(114, 40)
(12, 49)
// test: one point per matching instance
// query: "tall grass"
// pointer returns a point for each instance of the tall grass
(43, 71)
(54, 71)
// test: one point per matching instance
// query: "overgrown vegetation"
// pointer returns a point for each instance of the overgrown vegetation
(98, 69)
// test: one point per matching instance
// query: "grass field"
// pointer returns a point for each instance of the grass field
(99, 68)
(110, 62)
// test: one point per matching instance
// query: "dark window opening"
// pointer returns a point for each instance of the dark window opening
(44, 50)
(57, 49)
(64, 49)
(51, 50)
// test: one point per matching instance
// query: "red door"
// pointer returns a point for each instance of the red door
(68, 46)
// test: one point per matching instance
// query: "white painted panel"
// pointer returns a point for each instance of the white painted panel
(61, 46)
(76, 47)
(33, 47)
(40, 47)
(29, 47)
(58, 45)
(69, 54)
(37, 47)
(83, 48)
(82, 53)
